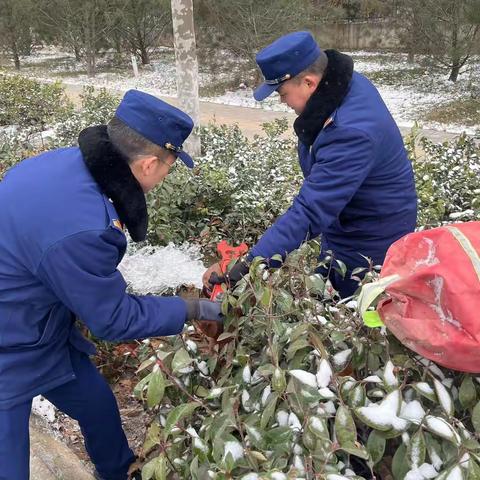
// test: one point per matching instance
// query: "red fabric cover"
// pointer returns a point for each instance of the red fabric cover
(434, 308)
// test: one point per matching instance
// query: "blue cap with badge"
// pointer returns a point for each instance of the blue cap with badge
(283, 59)
(157, 121)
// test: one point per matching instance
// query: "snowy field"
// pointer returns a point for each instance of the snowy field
(409, 89)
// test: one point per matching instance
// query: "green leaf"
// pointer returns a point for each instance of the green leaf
(424, 389)
(357, 450)
(357, 396)
(315, 284)
(255, 436)
(476, 417)
(399, 466)
(278, 380)
(266, 297)
(269, 410)
(345, 429)
(156, 389)
(416, 450)
(177, 414)
(376, 446)
(468, 393)
(371, 319)
(161, 468)
(139, 387)
(152, 437)
(473, 470)
(181, 360)
(148, 470)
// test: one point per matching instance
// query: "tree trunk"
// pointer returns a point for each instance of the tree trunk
(455, 70)
(76, 51)
(15, 55)
(455, 54)
(91, 64)
(411, 57)
(187, 66)
(144, 56)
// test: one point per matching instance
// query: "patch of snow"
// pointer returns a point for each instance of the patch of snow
(444, 397)
(282, 418)
(234, 448)
(412, 411)
(200, 445)
(430, 258)
(442, 428)
(341, 358)
(385, 413)
(43, 408)
(156, 270)
(445, 315)
(424, 387)
(389, 376)
(247, 374)
(373, 379)
(324, 374)
(424, 472)
(304, 377)
(250, 476)
(265, 394)
(326, 393)
(294, 422)
(455, 474)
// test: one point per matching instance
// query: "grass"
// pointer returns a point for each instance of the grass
(465, 112)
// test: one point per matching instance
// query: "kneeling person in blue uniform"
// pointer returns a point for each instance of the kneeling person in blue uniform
(358, 192)
(61, 222)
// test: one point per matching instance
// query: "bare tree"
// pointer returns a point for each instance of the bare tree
(446, 29)
(16, 28)
(187, 65)
(142, 23)
(82, 26)
(246, 26)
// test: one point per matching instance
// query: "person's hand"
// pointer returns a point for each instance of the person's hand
(213, 269)
(204, 310)
(238, 271)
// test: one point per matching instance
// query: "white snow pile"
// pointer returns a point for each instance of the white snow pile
(157, 270)
(43, 408)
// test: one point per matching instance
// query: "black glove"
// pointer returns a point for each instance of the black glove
(238, 271)
(202, 309)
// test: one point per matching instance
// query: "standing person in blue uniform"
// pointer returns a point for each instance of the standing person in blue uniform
(61, 222)
(358, 191)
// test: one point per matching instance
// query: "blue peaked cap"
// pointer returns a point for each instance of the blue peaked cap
(157, 121)
(283, 59)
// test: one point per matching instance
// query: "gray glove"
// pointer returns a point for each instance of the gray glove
(202, 309)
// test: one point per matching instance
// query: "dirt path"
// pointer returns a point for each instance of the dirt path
(249, 120)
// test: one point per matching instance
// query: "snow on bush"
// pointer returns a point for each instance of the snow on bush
(273, 403)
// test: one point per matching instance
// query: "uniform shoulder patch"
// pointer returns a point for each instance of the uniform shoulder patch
(118, 224)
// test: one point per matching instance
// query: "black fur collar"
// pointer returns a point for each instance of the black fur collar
(114, 177)
(327, 97)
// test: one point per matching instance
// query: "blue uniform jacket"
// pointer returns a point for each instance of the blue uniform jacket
(359, 190)
(60, 243)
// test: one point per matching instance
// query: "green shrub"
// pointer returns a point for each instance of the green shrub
(97, 107)
(236, 191)
(32, 104)
(299, 388)
(447, 177)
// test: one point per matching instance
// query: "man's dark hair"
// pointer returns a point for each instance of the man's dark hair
(318, 67)
(130, 143)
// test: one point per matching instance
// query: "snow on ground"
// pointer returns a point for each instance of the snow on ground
(406, 92)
